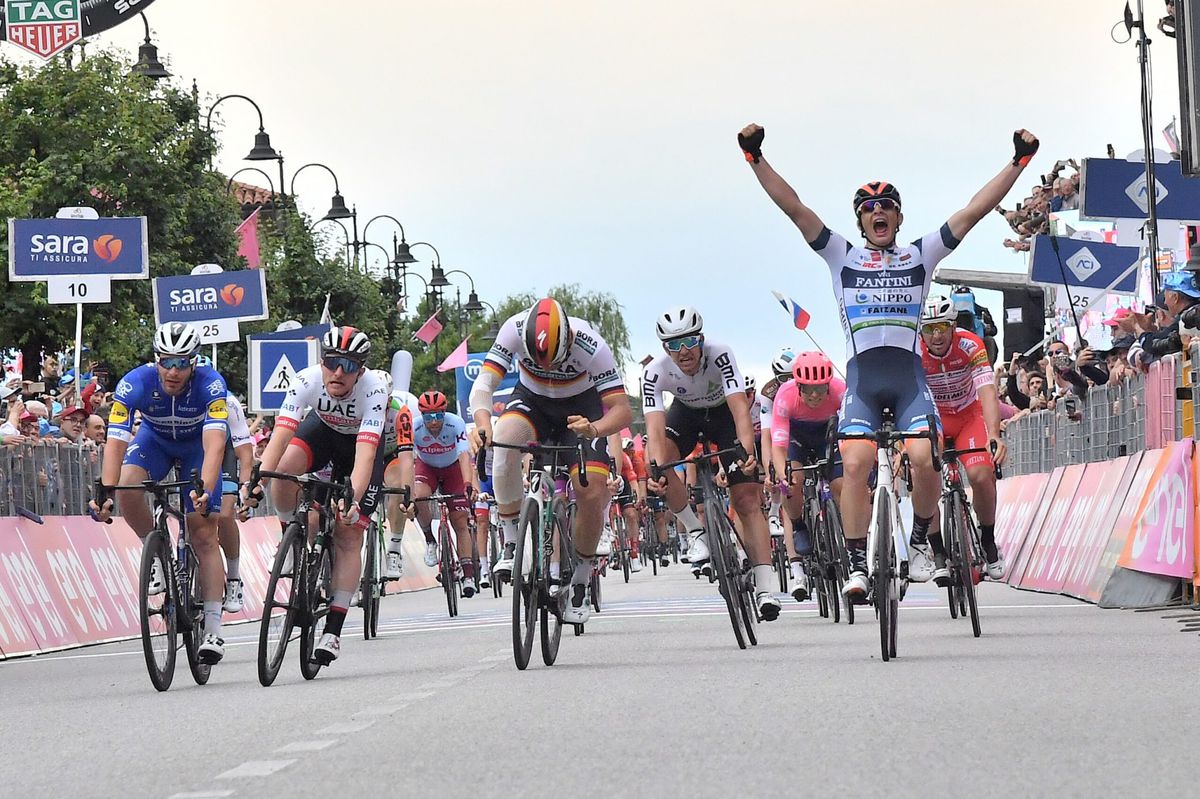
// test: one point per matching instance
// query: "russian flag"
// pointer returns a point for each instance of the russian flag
(800, 317)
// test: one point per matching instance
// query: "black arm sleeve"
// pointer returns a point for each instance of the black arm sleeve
(1097, 373)
(1019, 399)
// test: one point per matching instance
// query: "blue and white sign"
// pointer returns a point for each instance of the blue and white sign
(465, 376)
(240, 296)
(115, 247)
(273, 366)
(1088, 264)
(1113, 188)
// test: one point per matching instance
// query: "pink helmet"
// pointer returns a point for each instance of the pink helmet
(812, 369)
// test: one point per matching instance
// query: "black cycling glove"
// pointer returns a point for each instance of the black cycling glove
(752, 145)
(1024, 150)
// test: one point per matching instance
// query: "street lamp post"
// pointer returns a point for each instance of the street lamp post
(345, 233)
(262, 150)
(148, 65)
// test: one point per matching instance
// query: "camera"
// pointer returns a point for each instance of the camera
(1062, 361)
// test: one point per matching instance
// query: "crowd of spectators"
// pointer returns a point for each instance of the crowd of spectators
(1053, 194)
(52, 409)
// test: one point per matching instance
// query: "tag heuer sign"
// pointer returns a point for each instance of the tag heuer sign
(43, 27)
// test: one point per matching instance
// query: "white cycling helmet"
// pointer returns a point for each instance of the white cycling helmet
(782, 363)
(176, 338)
(680, 321)
(346, 340)
(937, 309)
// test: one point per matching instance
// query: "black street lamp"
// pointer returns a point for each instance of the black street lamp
(337, 205)
(338, 222)
(473, 304)
(262, 150)
(398, 257)
(148, 65)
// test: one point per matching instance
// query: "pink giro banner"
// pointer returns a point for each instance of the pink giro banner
(1162, 536)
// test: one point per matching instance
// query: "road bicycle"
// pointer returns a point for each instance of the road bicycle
(888, 578)
(300, 589)
(373, 585)
(177, 611)
(826, 568)
(734, 582)
(449, 569)
(964, 553)
(545, 557)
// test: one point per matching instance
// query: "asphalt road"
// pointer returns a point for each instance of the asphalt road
(1057, 698)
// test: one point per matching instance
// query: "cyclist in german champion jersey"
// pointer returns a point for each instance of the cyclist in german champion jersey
(880, 288)
(444, 463)
(334, 414)
(800, 416)
(568, 388)
(960, 377)
(184, 417)
(710, 398)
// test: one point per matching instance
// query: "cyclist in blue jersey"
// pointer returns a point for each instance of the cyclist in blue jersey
(880, 289)
(184, 424)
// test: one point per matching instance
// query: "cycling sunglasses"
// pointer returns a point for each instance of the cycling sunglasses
(434, 416)
(179, 362)
(870, 206)
(348, 365)
(677, 344)
(937, 327)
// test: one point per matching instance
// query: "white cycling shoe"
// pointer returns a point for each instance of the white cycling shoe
(856, 587)
(995, 569)
(328, 649)
(431, 553)
(579, 606)
(234, 596)
(635, 564)
(395, 566)
(698, 548)
(800, 589)
(485, 579)
(920, 563)
(211, 650)
(768, 605)
(604, 547)
(157, 583)
(776, 527)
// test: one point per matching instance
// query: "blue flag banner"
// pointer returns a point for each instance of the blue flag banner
(1090, 264)
(465, 376)
(113, 247)
(240, 295)
(1113, 188)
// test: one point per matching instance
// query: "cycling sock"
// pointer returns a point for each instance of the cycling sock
(856, 548)
(987, 537)
(800, 537)
(763, 575)
(775, 503)
(937, 545)
(583, 571)
(231, 569)
(394, 544)
(920, 531)
(797, 570)
(337, 612)
(688, 516)
(555, 570)
(509, 526)
(468, 568)
(212, 617)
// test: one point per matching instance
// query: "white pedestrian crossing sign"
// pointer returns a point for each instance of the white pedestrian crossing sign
(273, 367)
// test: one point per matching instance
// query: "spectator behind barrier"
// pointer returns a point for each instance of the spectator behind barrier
(96, 430)
(1180, 293)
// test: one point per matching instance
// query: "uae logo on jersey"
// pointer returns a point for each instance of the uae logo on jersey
(42, 27)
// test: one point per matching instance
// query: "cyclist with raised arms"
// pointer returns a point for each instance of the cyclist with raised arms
(880, 288)
(444, 463)
(184, 415)
(799, 427)
(334, 414)
(710, 398)
(568, 388)
(960, 376)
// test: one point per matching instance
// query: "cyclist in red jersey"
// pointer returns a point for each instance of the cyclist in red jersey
(959, 375)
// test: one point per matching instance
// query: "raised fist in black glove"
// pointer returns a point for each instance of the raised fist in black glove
(750, 140)
(1025, 144)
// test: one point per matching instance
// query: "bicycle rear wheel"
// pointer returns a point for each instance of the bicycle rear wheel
(318, 593)
(841, 563)
(159, 630)
(882, 576)
(524, 586)
(191, 607)
(494, 548)
(966, 565)
(280, 607)
(552, 608)
(724, 564)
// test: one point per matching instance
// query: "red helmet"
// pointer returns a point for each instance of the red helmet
(431, 402)
(812, 369)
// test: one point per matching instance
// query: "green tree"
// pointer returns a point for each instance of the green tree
(90, 134)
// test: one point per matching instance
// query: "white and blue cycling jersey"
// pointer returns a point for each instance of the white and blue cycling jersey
(880, 292)
(442, 450)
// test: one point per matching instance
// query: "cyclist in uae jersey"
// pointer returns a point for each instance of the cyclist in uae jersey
(800, 422)
(568, 389)
(334, 414)
(184, 425)
(710, 399)
(960, 376)
(880, 288)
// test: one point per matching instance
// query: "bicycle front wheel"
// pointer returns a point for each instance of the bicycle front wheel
(524, 586)
(159, 631)
(449, 572)
(280, 606)
(966, 565)
(882, 574)
(723, 558)
(318, 593)
(368, 588)
(563, 549)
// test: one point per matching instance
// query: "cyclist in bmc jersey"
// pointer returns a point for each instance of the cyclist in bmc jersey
(710, 398)
(568, 388)
(334, 414)
(184, 414)
(444, 463)
(781, 372)
(880, 289)
(800, 419)
(960, 376)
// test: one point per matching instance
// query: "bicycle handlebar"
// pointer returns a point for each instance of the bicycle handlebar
(656, 469)
(100, 491)
(537, 448)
